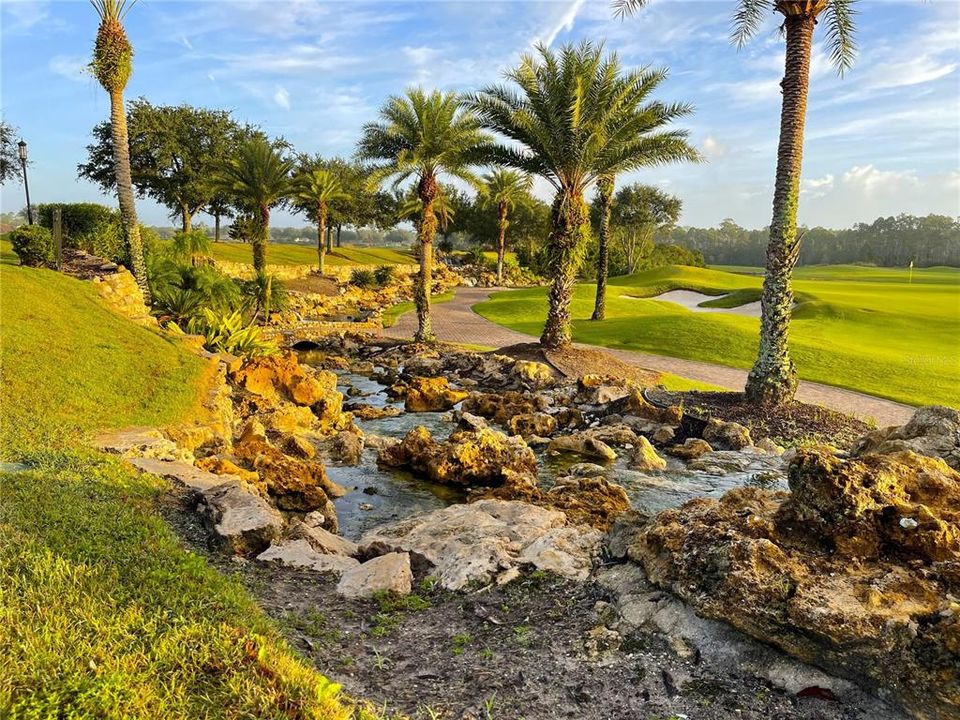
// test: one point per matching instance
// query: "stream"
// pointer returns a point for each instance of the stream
(379, 496)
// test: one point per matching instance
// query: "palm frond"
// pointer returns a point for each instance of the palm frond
(747, 20)
(625, 8)
(841, 27)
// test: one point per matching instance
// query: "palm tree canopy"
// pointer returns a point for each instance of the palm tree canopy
(748, 18)
(112, 52)
(578, 115)
(410, 206)
(258, 176)
(317, 186)
(505, 186)
(422, 134)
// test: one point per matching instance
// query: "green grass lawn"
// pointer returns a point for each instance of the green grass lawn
(283, 254)
(862, 328)
(103, 612)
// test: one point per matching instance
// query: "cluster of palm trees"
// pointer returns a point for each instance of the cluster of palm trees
(574, 118)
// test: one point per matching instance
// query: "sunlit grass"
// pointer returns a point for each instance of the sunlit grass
(103, 613)
(863, 328)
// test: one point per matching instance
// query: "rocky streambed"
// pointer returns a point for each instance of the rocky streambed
(469, 535)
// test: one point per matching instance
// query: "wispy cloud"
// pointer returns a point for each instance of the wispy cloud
(282, 97)
(562, 24)
(71, 67)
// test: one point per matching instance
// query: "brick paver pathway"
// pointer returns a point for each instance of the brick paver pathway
(455, 321)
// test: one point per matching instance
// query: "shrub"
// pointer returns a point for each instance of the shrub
(79, 219)
(226, 332)
(177, 304)
(264, 293)
(475, 255)
(362, 278)
(34, 245)
(193, 246)
(383, 275)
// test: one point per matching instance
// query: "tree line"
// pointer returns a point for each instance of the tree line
(894, 241)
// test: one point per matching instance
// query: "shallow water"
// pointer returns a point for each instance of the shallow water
(396, 494)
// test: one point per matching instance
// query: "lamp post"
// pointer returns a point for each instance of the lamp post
(22, 145)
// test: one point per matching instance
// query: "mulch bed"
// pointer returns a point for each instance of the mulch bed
(85, 266)
(790, 424)
(575, 362)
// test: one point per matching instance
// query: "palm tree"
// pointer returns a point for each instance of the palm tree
(773, 378)
(411, 206)
(314, 191)
(112, 65)
(605, 185)
(503, 188)
(423, 135)
(257, 179)
(577, 117)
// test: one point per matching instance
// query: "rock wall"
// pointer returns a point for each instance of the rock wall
(341, 273)
(121, 292)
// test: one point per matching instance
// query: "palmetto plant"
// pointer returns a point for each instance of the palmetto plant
(316, 189)
(257, 179)
(423, 135)
(502, 189)
(112, 65)
(577, 116)
(773, 378)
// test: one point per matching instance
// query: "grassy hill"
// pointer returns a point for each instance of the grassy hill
(103, 612)
(282, 254)
(862, 328)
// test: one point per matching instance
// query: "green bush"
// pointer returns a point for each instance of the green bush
(362, 278)
(475, 255)
(177, 304)
(34, 245)
(226, 332)
(193, 246)
(383, 275)
(264, 293)
(79, 219)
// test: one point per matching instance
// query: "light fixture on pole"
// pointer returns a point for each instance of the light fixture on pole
(22, 146)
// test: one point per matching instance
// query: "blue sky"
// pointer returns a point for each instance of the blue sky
(883, 139)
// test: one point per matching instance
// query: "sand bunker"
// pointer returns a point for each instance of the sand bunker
(691, 301)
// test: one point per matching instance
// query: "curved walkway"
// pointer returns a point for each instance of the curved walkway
(454, 321)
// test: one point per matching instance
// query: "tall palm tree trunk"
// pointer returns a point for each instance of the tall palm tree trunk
(605, 191)
(260, 240)
(501, 239)
(128, 211)
(773, 379)
(568, 216)
(426, 229)
(321, 230)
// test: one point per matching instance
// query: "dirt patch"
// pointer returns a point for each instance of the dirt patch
(501, 653)
(791, 424)
(84, 266)
(575, 362)
(313, 283)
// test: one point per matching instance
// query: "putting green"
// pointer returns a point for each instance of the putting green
(862, 328)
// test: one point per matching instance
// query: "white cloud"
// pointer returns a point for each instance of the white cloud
(421, 55)
(71, 67)
(563, 24)
(753, 91)
(23, 16)
(713, 148)
(281, 97)
(817, 187)
(915, 71)
(871, 181)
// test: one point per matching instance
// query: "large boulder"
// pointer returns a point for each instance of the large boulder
(245, 521)
(583, 444)
(534, 375)
(933, 431)
(727, 435)
(474, 544)
(468, 458)
(431, 394)
(386, 573)
(645, 457)
(501, 407)
(857, 570)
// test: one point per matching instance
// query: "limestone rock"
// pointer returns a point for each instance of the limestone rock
(143, 442)
(933, 430)
(386, 573)
(588, 500)
(501, 407)
(300, 554)
(362, 411)
(472, 544)
(857, 570)
(645, 457)
(466, 458)
(322, 541)
(583, 445)
(220, 465)
(727, 435)
(634, 404)
(187, 475)
(431, 395)
(537, 424)
(534, 375)
(245, 521)
(565, 551)
(347, 447)
(691, 449)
